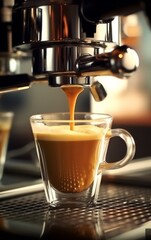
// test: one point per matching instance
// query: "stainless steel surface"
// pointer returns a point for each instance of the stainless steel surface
(123, 212)
(21, 189)
(61, 37)
(98, 91)
(136, 173)
(10, 60)
(57, 33)
(121, 62)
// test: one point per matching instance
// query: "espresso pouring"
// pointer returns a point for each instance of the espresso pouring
(72, 92)
(71, 151)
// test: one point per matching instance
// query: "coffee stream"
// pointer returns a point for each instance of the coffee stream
(71, 152)
(72, 92)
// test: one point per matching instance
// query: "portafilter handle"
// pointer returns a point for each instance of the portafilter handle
(121, 62)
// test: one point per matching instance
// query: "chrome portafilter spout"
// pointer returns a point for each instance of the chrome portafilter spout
(98, 92)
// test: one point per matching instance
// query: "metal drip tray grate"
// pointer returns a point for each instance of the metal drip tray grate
(120, 212)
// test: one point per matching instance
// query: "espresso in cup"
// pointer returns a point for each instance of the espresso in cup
(72, 148)
(5, 127)
(72, 161)
(4, 134)
(69, 157)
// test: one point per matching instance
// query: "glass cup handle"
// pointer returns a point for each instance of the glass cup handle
(130, 152)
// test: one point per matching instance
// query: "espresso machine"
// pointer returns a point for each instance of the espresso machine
(63, 42)
(68, 42)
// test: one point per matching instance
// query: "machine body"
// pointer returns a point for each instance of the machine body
(69, 41)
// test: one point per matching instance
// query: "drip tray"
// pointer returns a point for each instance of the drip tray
(123, 212)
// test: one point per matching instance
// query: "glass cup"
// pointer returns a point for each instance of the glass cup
(72, 161)
(6, 119)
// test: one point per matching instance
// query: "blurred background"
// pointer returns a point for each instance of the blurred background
(129, 101)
